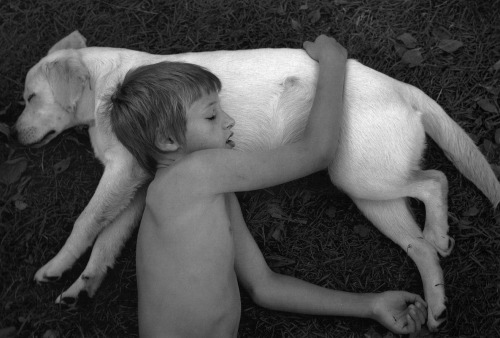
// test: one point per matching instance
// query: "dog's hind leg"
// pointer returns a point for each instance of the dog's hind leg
(106, 249)
(393, 219)
(431, 187)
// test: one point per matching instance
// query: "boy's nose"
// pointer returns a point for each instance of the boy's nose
(229, 122)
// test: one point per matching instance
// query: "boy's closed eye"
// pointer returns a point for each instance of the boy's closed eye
(212, 117)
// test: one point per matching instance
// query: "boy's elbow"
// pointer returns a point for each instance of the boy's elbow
(262, 292)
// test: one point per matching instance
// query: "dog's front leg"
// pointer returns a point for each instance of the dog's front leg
(120, 180)
(106, 249)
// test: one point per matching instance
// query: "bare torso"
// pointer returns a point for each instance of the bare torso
(185, 240)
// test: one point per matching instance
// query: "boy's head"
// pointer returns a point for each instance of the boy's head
(148, 109)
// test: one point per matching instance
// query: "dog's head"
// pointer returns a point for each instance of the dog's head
(52, 91)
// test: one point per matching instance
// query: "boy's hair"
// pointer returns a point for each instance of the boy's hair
(150, 106)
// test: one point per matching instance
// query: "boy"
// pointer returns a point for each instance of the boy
(193, 245)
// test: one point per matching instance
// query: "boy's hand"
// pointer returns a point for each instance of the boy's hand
(324, 48)
(399, 311)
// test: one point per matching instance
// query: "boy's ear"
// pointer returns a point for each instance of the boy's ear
(169, 145)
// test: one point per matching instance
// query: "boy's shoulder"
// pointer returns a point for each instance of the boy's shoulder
(190, 171)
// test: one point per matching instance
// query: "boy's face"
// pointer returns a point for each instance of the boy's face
(208, 126)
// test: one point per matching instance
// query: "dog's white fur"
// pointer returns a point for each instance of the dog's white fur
(269, 93)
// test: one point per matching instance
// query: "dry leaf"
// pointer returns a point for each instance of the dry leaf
(487, 105)
(413, 57)
(8, 332)
(314, 16)
(496, 169)
(4, 111)
(441, 33)
(449, 45)
(497, 136)
(331, 212)
(296, 25)
(61, 166)
(4, 129)
(400, 49)
(408, 40)
(473, 211)
(20, 205)
(11, 171)
(362, 230)
(496, 66)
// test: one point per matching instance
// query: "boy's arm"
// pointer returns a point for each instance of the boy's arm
(401, 312)
(222, 170)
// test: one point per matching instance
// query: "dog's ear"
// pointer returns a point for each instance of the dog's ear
(67, 77)
(73, 41)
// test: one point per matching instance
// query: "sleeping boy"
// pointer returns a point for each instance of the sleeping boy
(193, 244)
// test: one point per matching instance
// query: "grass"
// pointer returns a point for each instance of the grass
(321, 236)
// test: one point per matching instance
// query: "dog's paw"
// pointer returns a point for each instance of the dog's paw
(443, 244)
(82, 290)
(437, 320)
(72, 302)
(47, 275)
(54, 269)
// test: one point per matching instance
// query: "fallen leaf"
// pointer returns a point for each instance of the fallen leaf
(487, 105)
(371, 333)
(408, 40)
(449, 45)
(4, 129)
(488, 147)
(331, 212)
(51, 334)
(362, 230)
(413, 57)
(275, 210)
(304, 7)
(296, 25)
(20, 205)
(61, 166)
(496, 169)
(277, 232)
(4, 111)
(314, 16)
(492, 90)
(473, 211)
(400, 49)
(441, 33)
(8, 332)
(11, 171)
(497, 136)
(496, 66)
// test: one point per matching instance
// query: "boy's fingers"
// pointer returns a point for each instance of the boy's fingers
(422, 312)
(414, 298)
(414, 313)
(411, 324)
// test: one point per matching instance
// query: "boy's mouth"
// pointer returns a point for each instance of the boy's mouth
(229, 141)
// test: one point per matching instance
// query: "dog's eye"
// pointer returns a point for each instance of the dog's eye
(30, 97)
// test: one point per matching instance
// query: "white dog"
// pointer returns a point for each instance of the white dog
(269, 93)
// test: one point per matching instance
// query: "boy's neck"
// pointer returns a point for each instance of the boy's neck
(168, 159)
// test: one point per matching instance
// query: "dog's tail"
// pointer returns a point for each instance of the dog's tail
(457, 145)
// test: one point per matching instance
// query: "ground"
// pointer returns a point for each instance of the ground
(307, 228)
